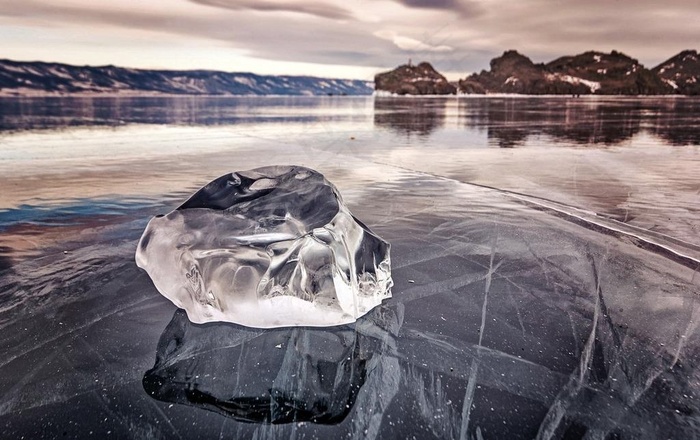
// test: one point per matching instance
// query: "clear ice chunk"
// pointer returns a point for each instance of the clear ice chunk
(269, 247)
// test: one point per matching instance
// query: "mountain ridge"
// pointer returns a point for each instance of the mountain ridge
(587, 73)
(46, 78)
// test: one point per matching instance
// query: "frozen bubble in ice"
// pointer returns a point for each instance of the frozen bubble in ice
(269, 247)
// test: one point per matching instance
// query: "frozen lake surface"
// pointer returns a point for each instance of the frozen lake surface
(545, 255)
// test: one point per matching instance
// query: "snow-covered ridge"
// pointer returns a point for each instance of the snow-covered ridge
(20, 78)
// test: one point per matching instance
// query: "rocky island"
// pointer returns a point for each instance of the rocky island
(588, 73)
(408, 79)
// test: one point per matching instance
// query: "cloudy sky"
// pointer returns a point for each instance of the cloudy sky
(339, 38)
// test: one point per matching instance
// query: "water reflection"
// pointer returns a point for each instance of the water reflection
(270, 376)
(59, 112)
(410, 116)
(510, 122)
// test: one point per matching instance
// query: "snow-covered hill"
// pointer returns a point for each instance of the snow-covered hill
(682, 72)
(27, 78)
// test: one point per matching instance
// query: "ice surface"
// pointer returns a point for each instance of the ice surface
(291, 374)
(269, 247)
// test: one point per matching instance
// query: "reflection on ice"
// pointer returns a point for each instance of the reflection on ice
(408, 116)
(271, 376)
(510, 121)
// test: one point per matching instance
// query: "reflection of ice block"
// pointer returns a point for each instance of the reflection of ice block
(269, 247)
(274, 376)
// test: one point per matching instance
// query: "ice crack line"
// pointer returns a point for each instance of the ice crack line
(474, 369)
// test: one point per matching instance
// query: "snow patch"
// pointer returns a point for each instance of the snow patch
(603, 71)
(13, 68)
(511, 80)
(59, 73)
(592, 85)
(425, 78)
(244, 80)
(670, 82)
(596, 58)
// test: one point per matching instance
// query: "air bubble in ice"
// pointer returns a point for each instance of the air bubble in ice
(269, 247)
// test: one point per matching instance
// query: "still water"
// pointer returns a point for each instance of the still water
(545, 256)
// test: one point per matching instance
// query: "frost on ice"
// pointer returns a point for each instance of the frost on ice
(269, 247)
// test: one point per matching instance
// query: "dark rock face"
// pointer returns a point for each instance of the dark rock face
(408, 79)
(32, 77)
(515, 73)
(617, 73)
(681, 72)
(587, 73)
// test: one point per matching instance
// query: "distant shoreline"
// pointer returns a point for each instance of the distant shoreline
(55, 79)
(135, 94)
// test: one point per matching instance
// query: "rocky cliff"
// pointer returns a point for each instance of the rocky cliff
(26, 78)
(587, 73)
(421, 79)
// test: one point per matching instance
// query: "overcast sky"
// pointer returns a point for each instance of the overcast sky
(339, 38)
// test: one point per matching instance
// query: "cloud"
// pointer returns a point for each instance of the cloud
(318, 9)
(411, 45)
(454, 35)
(431, 4)
(462, 7)
(273, 36)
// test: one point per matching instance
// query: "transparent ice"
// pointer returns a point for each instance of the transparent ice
(269, 247)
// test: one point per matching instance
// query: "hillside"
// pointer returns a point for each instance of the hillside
(681, 72)
(587, 73)
(26, 78)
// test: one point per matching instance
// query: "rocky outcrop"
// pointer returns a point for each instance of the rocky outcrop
(515, 73)
(681, 72)
(615, 73)
(584, 74)
(26, 78)
(408, 79)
